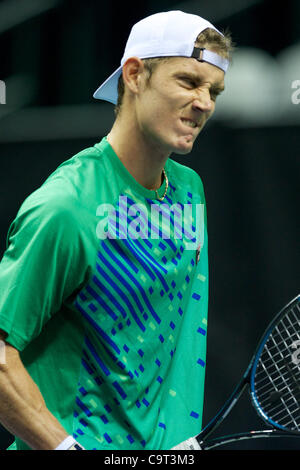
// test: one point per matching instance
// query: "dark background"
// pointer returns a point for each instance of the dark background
(55, 53)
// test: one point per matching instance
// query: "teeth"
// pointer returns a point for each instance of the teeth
(189, 123)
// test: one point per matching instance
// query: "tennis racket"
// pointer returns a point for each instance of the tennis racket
(273, 379)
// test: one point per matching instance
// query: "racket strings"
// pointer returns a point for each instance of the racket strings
(272, 402)
(281, 367)
(284, 372)
(277, 377)
(281, 341)
(265, 389)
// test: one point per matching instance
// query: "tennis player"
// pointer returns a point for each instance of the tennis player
(104, 282)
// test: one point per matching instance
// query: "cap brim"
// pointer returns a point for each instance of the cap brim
(108, 91)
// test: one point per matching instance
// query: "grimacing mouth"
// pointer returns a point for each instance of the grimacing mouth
(190, 122)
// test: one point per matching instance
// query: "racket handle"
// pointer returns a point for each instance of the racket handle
(189, 444)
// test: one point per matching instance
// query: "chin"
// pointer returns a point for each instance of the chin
(179, 145)
(180, 151)
(183, 148)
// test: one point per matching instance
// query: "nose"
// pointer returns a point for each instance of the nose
(202, 102)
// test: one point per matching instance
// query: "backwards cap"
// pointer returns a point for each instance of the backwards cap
(167, 34)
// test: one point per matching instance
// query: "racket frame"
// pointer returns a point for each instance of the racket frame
(248, 380)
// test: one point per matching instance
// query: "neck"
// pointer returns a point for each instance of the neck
(143, 161)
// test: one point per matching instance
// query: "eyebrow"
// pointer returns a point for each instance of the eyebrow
(215, 87)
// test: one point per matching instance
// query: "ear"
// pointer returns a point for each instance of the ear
(132, 71)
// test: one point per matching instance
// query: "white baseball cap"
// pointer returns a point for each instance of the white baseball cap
(167, 34)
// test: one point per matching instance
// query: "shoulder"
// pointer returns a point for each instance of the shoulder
(50, 202)
(66, 189)
(74, 174)
(41, 220)
(62, 203)
(50, 212)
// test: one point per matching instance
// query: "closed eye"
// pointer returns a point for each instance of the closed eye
(191, 83)
(188, 82)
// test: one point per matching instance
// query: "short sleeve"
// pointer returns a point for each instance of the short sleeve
(44, 263)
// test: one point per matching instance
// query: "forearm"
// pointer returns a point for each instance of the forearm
(23, 411)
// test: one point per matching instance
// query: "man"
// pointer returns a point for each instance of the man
(104, 283)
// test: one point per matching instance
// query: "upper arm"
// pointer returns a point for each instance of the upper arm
(41, 268)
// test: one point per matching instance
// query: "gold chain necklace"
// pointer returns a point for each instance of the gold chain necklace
(167, 185)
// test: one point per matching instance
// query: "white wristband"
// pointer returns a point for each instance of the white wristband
(69, 443)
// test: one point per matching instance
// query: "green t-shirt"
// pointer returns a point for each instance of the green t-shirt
(104, 291)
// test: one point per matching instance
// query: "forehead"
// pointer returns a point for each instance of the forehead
(190, 66)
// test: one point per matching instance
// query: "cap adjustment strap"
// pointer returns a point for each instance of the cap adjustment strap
(203, 55)
(198, 53)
